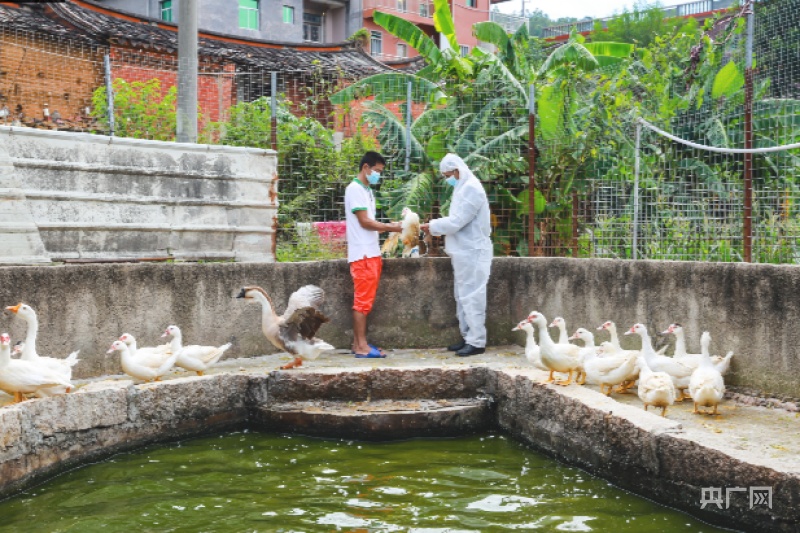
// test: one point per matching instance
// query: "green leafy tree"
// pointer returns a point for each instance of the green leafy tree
(538, 20)
(142, 109)
(313, 171)
(638, 26)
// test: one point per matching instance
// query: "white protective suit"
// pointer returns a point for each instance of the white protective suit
(467, 232)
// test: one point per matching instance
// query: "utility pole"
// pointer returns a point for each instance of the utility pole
(187, 71)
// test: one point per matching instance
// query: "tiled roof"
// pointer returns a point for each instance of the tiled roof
(32, 19)
(91, 22)
(408, 65)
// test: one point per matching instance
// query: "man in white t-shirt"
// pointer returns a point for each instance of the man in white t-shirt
(363, 250)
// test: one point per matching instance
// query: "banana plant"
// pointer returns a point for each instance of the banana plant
(443, 62)
(512, 50)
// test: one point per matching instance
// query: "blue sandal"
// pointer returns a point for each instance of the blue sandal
(374, 353)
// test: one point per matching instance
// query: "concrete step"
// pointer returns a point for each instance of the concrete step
(377, 420)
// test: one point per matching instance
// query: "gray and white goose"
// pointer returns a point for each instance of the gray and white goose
(294, 331)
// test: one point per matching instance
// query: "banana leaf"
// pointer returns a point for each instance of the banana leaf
(389, 130)
(443, 22)
(572, 53)
(549, 102)
(410, 33)
(728, 81)
(494, 33)
(418, 193)
(467, 141)
(497, 143)
(610, 49)
(390, 87)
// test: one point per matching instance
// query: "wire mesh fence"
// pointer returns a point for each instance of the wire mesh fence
(47, 81)
(685, 203)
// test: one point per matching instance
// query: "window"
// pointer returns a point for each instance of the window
(166, 10)
(376, 43)
(472, 3)
(402, 50)
(402, 5)
(288, 15)
(464, 50)
(425, 9)
(312, 27)
(248, 14)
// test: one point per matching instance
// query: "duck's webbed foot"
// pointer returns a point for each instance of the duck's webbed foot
(294, 364)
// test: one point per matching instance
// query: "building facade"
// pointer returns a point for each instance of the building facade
(318, 21)
(290, 21)
(385, 46)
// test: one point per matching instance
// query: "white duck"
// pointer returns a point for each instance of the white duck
(706, 384)
(655, 388)
(294, 330)
(589, 349)
(609, 370)
(693, 359)
(679, 372)
(141, 369)
(193, 357)
(28, 353)
(556, 357)
(150, 356)
(17, 348)
(616, 349)
(532, 350)
(612, 331)
(159, 350)
(561, 324)
(20, 377)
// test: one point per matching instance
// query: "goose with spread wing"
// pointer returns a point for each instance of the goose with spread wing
(295, 330)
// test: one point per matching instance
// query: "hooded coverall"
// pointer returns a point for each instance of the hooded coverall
(467, 231)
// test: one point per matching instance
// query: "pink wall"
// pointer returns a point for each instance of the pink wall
(464, 17)
(390, 41)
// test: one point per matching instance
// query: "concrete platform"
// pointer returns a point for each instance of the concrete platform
(672, 460)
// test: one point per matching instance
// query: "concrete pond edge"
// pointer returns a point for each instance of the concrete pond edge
(637, 451)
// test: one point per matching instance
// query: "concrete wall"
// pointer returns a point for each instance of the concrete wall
(222, 16)
(638, 451)
(89, 196)
(271, 23)
(749, 309)
(355, 16)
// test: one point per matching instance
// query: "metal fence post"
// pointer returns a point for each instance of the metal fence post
(634, 249)
(274, 111)
(574, 223)
(408, 127)
(747, 237)
(109, 94)
(531, 171)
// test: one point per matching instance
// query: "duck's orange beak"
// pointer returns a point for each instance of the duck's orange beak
(14, 308)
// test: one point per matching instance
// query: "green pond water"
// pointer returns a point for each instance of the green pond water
(249, 481)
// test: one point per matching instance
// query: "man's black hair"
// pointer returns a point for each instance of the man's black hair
(371, 159)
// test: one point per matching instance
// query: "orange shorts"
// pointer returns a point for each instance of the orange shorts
(366, 275)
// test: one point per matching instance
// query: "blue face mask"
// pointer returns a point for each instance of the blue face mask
(451, 181)
(374, 177)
